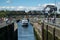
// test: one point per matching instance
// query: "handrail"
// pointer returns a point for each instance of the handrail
(3, 24)
(54, 24)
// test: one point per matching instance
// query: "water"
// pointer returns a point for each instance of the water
(25, 33)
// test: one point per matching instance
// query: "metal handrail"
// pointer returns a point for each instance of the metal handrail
(54, 24)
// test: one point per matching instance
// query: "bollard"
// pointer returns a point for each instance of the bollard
(47, 32)
(42, 31)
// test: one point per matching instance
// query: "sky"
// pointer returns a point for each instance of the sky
(26, 4)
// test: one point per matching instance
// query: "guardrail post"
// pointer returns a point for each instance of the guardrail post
(42, 31)
(47, 32)
(54, 33)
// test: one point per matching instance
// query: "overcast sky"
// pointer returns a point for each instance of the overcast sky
(27, 4)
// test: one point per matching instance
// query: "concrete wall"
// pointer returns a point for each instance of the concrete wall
(51, 29)
(37, 29)
(47, 31)
(8, 32)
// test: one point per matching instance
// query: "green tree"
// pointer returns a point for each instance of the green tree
(2, 14)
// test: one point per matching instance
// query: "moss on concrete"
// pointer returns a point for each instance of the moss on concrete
(36, 36)
(50, 36)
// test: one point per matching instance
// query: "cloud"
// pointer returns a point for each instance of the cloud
(58, 7)
(8, 1)
(20, 8)
(58, 3)
(44, 5)
(26, 8)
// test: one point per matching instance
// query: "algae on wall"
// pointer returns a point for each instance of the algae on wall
(50, 36)
(36, 36)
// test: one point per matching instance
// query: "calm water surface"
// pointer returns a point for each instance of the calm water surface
(25, 33)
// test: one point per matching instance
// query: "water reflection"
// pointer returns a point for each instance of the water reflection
(25, 33)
